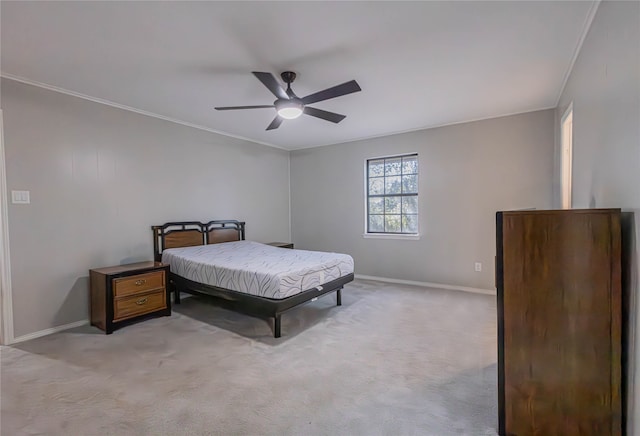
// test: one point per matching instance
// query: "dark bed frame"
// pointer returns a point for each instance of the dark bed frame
(192, 233)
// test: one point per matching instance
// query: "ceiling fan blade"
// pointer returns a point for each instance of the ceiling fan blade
(333, 92)
(230, 108)
(275, 123)
(325, 115)
(270, 82)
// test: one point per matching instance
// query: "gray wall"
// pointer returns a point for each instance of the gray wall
(604, 86)
(467, 173)
(100, 177)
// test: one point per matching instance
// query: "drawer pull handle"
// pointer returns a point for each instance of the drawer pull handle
(140, 282)
(141, 301)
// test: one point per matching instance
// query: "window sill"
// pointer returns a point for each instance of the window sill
(390, 236)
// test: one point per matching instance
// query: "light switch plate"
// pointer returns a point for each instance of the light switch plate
(20, 197)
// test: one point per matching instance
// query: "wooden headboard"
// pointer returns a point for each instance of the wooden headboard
(190, 233)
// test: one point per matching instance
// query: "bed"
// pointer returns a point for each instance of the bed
(216, 260)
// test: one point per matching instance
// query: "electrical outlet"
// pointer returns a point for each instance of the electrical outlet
(478, 266)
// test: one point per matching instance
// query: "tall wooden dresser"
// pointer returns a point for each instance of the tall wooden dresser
(558, 279)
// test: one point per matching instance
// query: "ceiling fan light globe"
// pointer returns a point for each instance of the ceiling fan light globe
(289, 109)
(289, 113)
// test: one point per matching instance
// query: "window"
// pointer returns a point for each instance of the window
(392, 195)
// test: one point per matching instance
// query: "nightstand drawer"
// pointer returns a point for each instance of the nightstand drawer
(139, 304)
(139, 283)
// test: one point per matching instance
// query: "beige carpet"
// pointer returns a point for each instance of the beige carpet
(393, 360)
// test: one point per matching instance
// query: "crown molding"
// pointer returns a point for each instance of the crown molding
(130, 109)
(585, 30)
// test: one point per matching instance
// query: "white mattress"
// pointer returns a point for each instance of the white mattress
(257, 269)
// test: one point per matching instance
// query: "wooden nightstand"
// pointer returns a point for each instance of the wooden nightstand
(281, 244)
(124, 294)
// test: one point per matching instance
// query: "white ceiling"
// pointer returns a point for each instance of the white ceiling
(420, 64)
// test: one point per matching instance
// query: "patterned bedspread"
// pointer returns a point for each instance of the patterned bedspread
(257, 269)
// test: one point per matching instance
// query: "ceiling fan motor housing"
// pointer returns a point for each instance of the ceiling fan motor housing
(288, 76)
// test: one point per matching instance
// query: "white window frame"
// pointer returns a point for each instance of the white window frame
(405, 236)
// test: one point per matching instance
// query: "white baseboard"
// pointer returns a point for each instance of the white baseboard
(60, 328)
(46, 332)
(52, 330)
(428, 284)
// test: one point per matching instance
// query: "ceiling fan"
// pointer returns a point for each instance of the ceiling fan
(289, 105)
